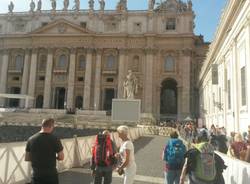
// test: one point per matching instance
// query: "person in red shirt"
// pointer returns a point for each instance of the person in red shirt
(238, 147)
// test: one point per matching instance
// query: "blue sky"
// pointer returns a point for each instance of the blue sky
(207, 11)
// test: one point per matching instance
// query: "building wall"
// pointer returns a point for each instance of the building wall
(227, 104)
(137, 40)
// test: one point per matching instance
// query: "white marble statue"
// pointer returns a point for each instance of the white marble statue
(102, 4)
(130, 86)
(53, 4)
(91, 4)
(32, 6)
(39, 5)
(151, 4)
(65, 4)
(11, 7)
(76, 7)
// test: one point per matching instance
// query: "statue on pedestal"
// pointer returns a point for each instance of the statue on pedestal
(32, 6)
(53, 4)
(122, 5)
(76, 7)
(130, 86)
(190, 5)
(91, 4)
(151, 4)
(39, 5)
(65, 4)
(11, 7)
(102, 5)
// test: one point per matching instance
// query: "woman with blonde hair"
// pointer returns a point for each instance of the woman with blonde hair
(126, 153)
(238, 147)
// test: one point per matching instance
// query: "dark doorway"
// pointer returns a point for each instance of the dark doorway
(13, 102)
(79, 102)
(60, 98)
(39, 102)
(169, 98)
(109, 95)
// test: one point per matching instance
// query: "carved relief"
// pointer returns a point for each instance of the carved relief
(62, 28)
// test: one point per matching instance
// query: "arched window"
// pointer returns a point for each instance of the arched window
(19, 63)
(42, 63)
(135, 64)
(110, 62)
(62, 61)
(82, 63)
(169, 64)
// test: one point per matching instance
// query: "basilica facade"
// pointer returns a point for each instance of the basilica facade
(78, 59)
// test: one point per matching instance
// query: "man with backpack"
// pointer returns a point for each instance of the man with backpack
(202, 164)
(173, 155)
(103, 158)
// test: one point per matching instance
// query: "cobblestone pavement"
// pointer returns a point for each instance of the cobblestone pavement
(148, 152)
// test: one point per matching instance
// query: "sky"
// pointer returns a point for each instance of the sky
(207, 11)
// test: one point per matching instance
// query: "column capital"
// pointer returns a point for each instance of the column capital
(150, 50)
(99, 51)
(6, 51)
(90, 50)
(73, 50)
(123, 51)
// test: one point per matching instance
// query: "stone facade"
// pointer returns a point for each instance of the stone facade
(79, 59)
(224, 80)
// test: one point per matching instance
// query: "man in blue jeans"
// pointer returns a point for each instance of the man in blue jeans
(173, 155)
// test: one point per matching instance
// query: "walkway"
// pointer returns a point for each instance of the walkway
(149, 165)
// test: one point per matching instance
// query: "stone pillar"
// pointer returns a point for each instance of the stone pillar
(71, 79)
(87, 82)
(32, 79)
(186, 62)
(122, 60)
(25, 77)
(149, 80)
(4, 75)
(48, 78)
(179, 103)
(98, 80)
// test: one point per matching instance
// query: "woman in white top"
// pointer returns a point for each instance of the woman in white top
(126, 153)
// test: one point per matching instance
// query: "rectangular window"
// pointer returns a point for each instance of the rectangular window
(229, 94)
(15, 78)
(83, 24)
(1, 28)
(170, 25)
(41, 78)
(243, 85)
(80, 79)
(44, 23)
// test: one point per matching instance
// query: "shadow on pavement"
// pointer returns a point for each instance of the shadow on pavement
(71, 177)
(142, 142)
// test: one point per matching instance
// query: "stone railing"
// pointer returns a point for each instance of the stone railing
(77, 151)
(157, 130)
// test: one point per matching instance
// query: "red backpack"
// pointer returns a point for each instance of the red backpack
(102, 151)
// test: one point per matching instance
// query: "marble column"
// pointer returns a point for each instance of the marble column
(87, 82)
(149, 81)
(4, 75)
(98, 80)
(71, 79)
(121, 72)
(48, 78)
(25, 77)
(186, 62)
(32, 78)
(179, 103)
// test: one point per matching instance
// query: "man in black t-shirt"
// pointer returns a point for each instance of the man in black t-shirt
(42, 150)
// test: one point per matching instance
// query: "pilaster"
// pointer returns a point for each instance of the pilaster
(71, 79)
(3, 75)
(122, 60)
(97, 80)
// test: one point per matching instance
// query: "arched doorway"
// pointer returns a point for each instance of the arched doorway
(109, 94)
(168, 109)
(39, 101)
(59, 98)
(79, 102)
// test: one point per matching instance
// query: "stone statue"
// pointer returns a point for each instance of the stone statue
(130, 86)
(65, 4)
(190, 5)
(76, 7)
(122, 5)
(151, 4)
(32, 6)
(53, 4)
(91, 4)
(102, 4)
(39, 5)
(11, 7)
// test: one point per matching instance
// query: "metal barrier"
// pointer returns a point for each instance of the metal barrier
(77, 151)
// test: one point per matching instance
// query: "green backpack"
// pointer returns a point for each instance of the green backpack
(205, 169)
